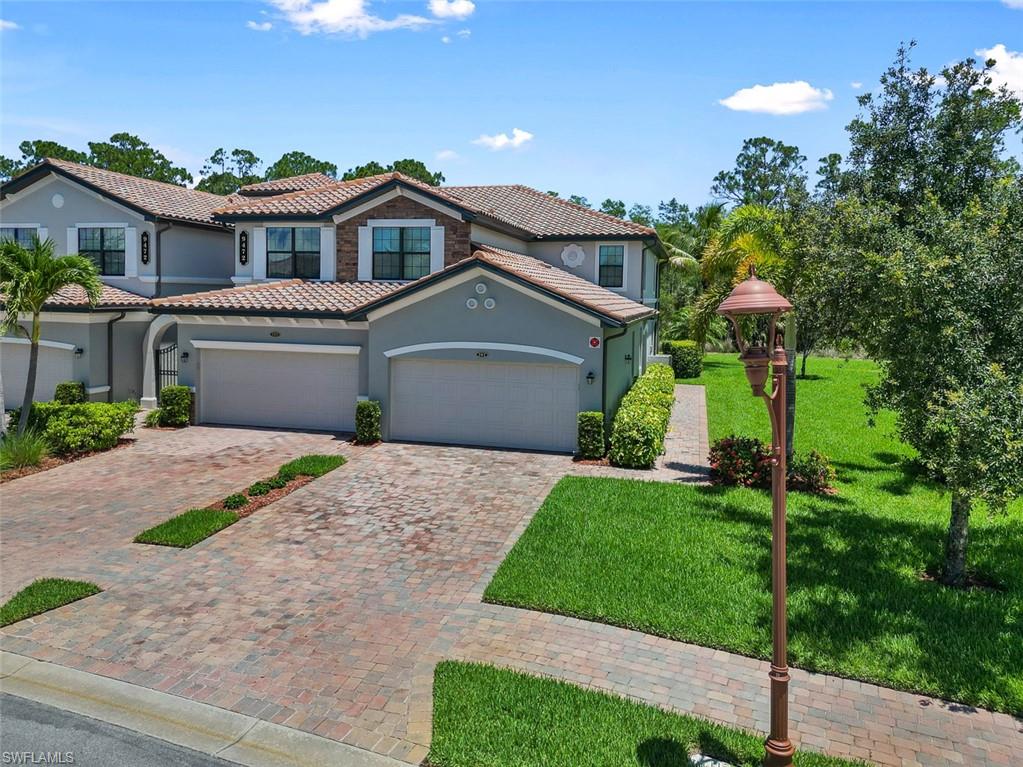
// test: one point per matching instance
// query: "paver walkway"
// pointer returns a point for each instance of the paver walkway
(328, 610)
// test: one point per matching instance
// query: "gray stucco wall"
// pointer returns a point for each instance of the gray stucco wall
(625, 362)
(517, 319)
(195, 259)
(551, 253)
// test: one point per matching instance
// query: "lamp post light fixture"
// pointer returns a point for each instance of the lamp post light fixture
(750, 298)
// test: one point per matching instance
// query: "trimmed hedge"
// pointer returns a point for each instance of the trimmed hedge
(686, 358)
(175, 405)
(367, 422)
(85, 427)
(591, 434)
(69, 393)
(637, 433)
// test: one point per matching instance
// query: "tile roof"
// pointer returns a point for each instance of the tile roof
(72, 296)
(298, 296)
(536, 213)
(348, 298)
(154, 197)
(290, 184)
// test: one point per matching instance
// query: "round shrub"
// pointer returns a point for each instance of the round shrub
(811, 472)
(88, 426)
(591, 434)
(686, 358)
(277, 482)
(367, 422)
(235, 501)
(69, 393)
(259, 488)
(175, 406)
(743, 461)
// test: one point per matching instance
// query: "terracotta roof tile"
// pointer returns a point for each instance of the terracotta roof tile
(154, 197)
(111, 298)
(309, 202)
(299, 296)
(290, 184)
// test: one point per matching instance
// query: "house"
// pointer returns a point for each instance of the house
(483, 315)
(148, 239)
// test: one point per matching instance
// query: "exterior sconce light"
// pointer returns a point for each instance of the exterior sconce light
(79, 351)
(184, 356)
(590, 377)
(628, 358)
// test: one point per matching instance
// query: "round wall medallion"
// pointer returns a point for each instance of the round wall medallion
(489, 303)
(572, 256)
(471, 303)
(481, 288)
(57, 200)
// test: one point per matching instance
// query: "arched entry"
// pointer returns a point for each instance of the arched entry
(150, 348)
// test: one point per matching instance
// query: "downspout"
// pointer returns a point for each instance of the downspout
(110, 355)
(159, 259)
(603, 370)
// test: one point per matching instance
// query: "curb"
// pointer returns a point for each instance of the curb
(198, 726)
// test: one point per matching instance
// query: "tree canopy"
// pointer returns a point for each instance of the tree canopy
(123, 153)
(412, 168)
(298, 164)
(767, 172)
(224, 173)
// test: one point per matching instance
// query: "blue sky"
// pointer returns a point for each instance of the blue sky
(611, 99)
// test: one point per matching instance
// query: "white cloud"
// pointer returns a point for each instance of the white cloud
(452, 9)
(856, 84)
(464, 33)
(446, 40)
(504, 141)
(5, 25)
(447, 155)
(344, 17)
(259, 26)
(1008, 67)
(1017, 4)
(779, 99)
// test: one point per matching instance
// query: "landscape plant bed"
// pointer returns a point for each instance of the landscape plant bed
(53, 461)
(195, 525)
(42, 595)
(693, 563)
(488, 716)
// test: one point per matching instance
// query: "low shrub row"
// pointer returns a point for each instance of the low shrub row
(81, 427)
(637, 433)
(686, 358)
(746, 462)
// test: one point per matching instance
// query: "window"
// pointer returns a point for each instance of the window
(611, 272)
(20, 234)
(401, 252)
(105, 246)
(293, 251)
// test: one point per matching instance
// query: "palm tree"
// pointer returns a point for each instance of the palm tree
(29, 277)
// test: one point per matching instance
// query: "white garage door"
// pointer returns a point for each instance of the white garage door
(532, 406)
(55, 366)
(294, 389)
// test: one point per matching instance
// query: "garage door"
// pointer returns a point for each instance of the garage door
(293, 389)
(55, 365)
(532, 406)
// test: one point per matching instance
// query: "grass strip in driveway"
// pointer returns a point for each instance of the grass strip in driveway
(489, 717)
(42, 595)
(310, 466)
(186, 530)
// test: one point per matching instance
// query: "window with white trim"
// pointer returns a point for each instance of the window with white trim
(105, 246)
(20, 234)
(293, 251)
(611, 268)
(401, 252)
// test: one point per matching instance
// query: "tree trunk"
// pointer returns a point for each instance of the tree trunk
(955, 544)
(802, 365)
(30, 379)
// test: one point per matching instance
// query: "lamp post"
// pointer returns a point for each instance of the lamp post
(754, 297)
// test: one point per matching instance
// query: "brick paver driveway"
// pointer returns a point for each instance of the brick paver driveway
(327, 610)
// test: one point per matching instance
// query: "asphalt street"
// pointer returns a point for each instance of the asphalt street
(35, 734)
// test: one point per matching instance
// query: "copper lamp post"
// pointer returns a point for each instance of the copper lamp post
(749, 298)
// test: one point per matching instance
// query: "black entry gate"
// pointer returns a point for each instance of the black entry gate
(166, 367)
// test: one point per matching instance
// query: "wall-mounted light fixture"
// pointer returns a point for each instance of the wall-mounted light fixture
(79, 351)
(628, 358)
(184, 356)
(590, 377)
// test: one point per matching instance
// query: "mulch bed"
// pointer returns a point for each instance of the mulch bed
(53, 461)
(257, 502)
(592, 461)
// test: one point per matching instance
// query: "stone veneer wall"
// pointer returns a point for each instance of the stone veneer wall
(456, 234)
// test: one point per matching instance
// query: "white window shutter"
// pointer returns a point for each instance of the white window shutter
(72, 240)
(42, 232)
(131, 252)
(328, 254)
(365, 253)
(258, 247)
(436, 248)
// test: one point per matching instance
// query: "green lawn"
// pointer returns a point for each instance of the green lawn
(488, 717)
(188, 529)
(42, 595)
(693, 563)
